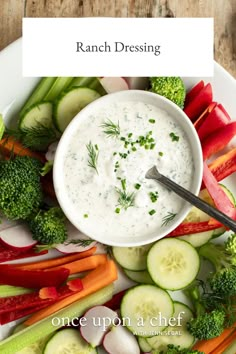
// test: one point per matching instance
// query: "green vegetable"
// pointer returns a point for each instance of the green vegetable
(170, 87)
(47, 168)
(223, 257)
(9, 290)
(205, 325)
(125, 200)
(168, 218)
(172, 349)
(45, 327)
(48, 227)
(2, 126)
(21, 193)
(111, 129)
(93, 153)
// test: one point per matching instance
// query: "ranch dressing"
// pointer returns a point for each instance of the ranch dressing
(148, 136)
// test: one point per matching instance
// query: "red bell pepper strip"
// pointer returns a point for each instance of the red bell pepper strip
(203, 116)
(220, 199)
(218, 140)
(32, 278)
(75, 284)
(215, 120)
(194, 92)
(198, 105)
(7, 254)
(48, 293)
(224, 165)
(10, 316)
(115, 302)
(188, 228)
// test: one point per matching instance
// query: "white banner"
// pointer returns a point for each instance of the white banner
(117, 46)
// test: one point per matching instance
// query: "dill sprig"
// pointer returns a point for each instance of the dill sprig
(125, 199)
(111, 129)
(93, 153)
(79, 242)
(37, 138)
(168, 218)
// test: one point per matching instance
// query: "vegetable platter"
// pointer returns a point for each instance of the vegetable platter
(172, 277)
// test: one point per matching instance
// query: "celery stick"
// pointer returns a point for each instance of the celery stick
(9, 290)
(43, 328)
(58, 87)
(2, 126)
(39, 93)
(90, 82)
(231, 349)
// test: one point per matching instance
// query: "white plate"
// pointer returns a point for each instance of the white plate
(14, 89)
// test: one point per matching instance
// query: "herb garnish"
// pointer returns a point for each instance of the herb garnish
(160, 153)
(85, 216)
(168, 218)
(111, 129)
(153, 196)
(93, 152)
(152, 212)
(79, 242)
(152, 121)
(174, 137)
(126, 199)
(137, 186)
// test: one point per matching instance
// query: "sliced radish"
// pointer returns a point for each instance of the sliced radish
(99, 320)
(75, 235)
(137, 83)
(17, 237)
(120, 341)
(114, 84)
(50, 154)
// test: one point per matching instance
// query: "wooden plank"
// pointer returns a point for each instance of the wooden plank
(11, 13)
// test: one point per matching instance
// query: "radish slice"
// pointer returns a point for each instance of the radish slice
(17, 237)
(114, 84)
(137, 83)
(50, 154)
(75, 235)
(120, 340)
(99, 320)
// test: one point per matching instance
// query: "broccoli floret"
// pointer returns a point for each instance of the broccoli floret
(48, 227)
(230, 244)
(20, 188)
(172, 349)
(170, 87)
(223, 280)
(205, 325)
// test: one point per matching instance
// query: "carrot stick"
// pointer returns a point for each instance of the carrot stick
(54, 262)
(95, 280)
(225, 344)
(10, 146)
(84, 264)
(208, 346)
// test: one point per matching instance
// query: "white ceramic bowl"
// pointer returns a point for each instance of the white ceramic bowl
(58, 172)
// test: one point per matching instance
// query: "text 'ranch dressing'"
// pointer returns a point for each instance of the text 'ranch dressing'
(106, 163)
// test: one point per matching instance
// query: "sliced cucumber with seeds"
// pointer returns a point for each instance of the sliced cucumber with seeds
(132, 258)
(39, 114)
(68, 341)
(90, 82)
(141, 276)
(177, 334)
(71, 103)
(143, 344)
(172, 263)
(198, 239)
(141, 305)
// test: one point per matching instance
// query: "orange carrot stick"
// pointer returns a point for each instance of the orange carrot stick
(54, 262)
(10, 146)
(95, 280)
(225, 344)
(84, 264)
(208, 346)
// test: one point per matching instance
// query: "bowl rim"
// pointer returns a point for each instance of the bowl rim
(129, 95)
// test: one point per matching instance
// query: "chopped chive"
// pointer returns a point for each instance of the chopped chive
(151, 212)
(174, 137)
(134, 148)
(137, 186)
(122, 138)
(114, 153)
(117, 210)
(85, 216)
(152, 121)
(152, 146)
(123, 184)
(160, 153)
(153, 196)
(129, 135)
(96, 147)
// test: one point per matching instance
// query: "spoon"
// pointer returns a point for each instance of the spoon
(153, 173)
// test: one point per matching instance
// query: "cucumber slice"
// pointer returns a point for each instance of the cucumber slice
(132, 258)
(90, 82)
(59, 85)
(172, 263)
(141, 276)
(199, 239)
(39, 114)
(143, 305)
(178, 334)
(71, 103)
(68, 341)
(143, 344)
(38, 94)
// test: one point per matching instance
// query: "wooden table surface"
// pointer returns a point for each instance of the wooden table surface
(223, 11)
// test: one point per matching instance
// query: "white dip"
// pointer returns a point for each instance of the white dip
(117, 199)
